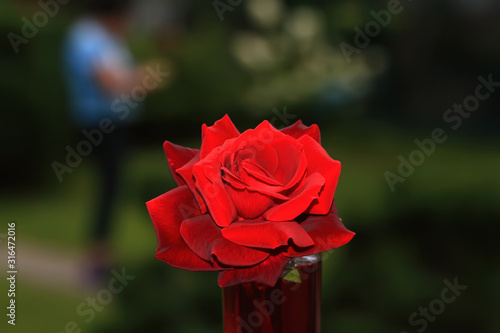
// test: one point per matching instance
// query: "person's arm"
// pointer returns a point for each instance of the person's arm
(116, 80)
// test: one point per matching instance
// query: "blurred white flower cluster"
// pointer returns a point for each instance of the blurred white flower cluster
(291, 57)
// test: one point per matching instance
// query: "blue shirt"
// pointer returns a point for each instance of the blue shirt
(90, 46)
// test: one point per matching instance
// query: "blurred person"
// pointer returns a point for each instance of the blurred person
(101, 78)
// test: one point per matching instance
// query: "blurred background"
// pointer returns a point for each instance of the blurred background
(279, 60)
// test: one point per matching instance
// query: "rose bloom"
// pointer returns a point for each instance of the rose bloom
(248, 202)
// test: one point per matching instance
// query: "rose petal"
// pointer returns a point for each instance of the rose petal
(237, 184)
(257, 142)
(186, 172)
(255, 177)
(266, 133)
(249, 204)
(259, 173)
(263, 136)
(318, 160)
(205, 239)
(232, 179)
(177, 157)
(328, 232)
(207, 174)
(267, 158)
(298, 129)
(268, 235)
(167, 212)
(292, 162)
(267, 272)
(300, 201)
(252, 150)
(215, 135)
(246, 150)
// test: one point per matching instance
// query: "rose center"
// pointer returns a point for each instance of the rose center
(240, 157)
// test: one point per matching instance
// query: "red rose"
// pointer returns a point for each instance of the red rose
(248, 202)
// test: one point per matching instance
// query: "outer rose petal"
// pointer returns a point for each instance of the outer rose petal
(186, 172)
(328, 232)
(204, 237)
(268, 235)
(298, 129)
(207, 174)
(292, 208)
(267, 272)
(214, 136)
(318, 160)
(167, 212)
(177, 157)
(266, 132)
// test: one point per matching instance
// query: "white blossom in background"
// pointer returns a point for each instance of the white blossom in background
(265, 13)
(291, 58)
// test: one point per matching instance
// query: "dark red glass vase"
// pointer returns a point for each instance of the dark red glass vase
(292, 305)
